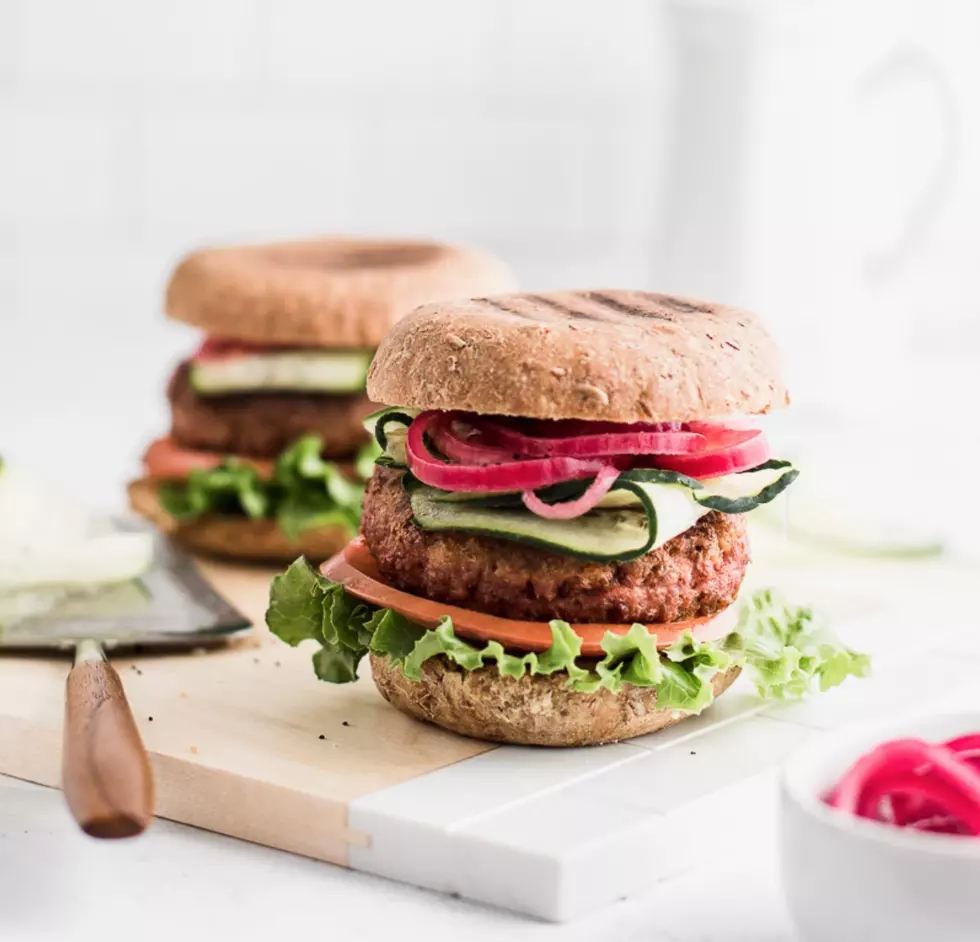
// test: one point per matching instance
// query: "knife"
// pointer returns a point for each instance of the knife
(106, 774)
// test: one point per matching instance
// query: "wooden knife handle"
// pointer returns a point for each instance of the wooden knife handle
(105, 772)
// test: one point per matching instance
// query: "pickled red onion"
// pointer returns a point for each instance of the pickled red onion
(968, 747)
(464, 450)
(935, 791)
(527, 475)
(498, 456)
(570, 509)
(726, 451)
(929, 787)
(627, 440)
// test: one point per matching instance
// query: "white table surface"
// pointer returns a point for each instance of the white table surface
(179, 882)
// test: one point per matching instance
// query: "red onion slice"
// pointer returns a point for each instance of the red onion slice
(464, 450)
(906, 752)
(510, 476)
(935, 790)
(570, 509)
(967, 746)
(928, 781)
(726, 451)
(627, 440)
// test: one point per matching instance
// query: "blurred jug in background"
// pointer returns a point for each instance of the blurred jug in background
(823, 169)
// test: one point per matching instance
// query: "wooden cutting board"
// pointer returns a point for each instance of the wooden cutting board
(244, 741)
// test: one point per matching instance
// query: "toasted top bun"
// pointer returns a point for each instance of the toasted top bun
(619, 356)
(328, 292)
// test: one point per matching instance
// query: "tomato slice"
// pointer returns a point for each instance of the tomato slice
(357, 570)
(166, 460)
(219, 348)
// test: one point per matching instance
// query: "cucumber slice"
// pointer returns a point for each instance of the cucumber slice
(646, 508)
(329, 371)
(740, 493)
(382, 416)
(68, 602)
(602, 535)
(733, 493)
(47, 540)
(31, 512)
(663, 511)
(91, 560)
(568, 490)
(390, 428)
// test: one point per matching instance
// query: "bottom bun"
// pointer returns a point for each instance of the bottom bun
(531, 711)
(259, 541)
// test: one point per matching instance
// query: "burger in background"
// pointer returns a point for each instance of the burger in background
(267, 452)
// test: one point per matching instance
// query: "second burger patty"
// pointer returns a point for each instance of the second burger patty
(262, 424)
(695, 574)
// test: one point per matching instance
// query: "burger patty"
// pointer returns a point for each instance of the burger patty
(695, 574)
(262, 424)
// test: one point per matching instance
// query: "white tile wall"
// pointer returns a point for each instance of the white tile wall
(540, 129)
(488, 121)
(61, 166)
(131, 132)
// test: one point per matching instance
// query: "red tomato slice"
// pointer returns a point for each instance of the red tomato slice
(218, 348)
(727, 451)
(166, 460)
(357, 570)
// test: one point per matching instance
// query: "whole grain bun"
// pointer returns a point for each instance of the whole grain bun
(531, 711)
(256, 541)
(328, 292)
(620, 356)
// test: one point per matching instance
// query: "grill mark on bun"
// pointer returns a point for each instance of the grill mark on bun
(499, 305)
(685, 307)
(545, 301)
(629, 310)
(560, 308)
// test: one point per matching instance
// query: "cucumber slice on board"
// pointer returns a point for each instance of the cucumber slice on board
(872, 532)
(327, 371)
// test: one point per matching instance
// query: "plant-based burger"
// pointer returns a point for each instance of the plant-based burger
(267, 452)
(554, 537)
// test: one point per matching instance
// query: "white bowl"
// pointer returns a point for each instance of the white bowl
(847, 878)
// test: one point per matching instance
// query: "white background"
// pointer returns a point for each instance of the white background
(724, 149)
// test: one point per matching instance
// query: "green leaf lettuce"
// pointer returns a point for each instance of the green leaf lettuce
(780, 646)
(786, 651)
(305, 491)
